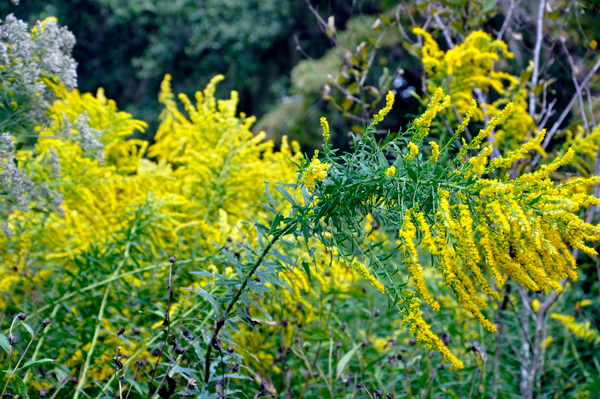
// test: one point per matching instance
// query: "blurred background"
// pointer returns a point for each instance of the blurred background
(273, 52)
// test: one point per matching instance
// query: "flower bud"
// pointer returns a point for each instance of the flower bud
(12, 340)
(46, 322)
(172, 259)
(120, 331)
(21, 316)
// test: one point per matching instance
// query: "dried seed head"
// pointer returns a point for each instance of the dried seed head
(365, 344)
(121, 378)
(412, 342)
(359, 386)
(389, 395)
(230, 349)
(46, 322)
(430, 354)
(172, 259)
(344, 326)
(120, 331)
(179, 350)
(42, 392)
(338, 344)
(377, 393)
(299, 306)
(284, 322)
(235, 368)
(440, 366)
(7, 395)
(118, 363)
(21, 316)
(187, 334)
(377, 312)
(12, 339)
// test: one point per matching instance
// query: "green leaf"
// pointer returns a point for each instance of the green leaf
(412, 175)
(21, 387)
(36, 363)
(29, 329)
(306, 267)
(536, 199)
(4, 343)
(316, 334)
(344, 361)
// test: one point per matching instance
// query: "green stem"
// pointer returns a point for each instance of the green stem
(36, 352)
(108, 281)
(88, 360)
(237, 295)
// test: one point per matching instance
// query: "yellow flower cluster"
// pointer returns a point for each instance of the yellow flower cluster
(389, 102)
(413, 150)
(391, 171)
(316, 171)
(478, 162)
(435, 152)
(408, 234)
(470, 65)
(512, 156)
(207, 171)
(413, 318)
(423, 123)
(363, 270)
(580, 330)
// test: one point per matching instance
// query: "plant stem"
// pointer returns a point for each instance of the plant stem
(237, 295)
(88, 360)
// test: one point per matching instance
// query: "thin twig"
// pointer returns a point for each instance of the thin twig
(536, 56)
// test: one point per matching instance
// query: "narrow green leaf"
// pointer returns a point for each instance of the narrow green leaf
(4, 343)
(306, 267)
(21, 387)
(29, 329)
(36, 363)
(344, 361)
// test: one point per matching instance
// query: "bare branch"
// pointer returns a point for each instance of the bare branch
(576, 84)
(536, 56)
(509, 14)
(444, 29)
(400, 27)
(568, 107)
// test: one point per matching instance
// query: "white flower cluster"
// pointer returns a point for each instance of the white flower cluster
(81, 133)
(17, 191)
(26, 59)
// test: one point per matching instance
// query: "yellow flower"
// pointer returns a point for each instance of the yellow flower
(389, 99)
(435, 151)
(413, 150)
(325, 126)
(316, 171)
(391, 171)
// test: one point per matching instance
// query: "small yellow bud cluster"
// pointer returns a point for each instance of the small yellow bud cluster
(413, 150)
(325, 126)
(316, 171)
(435, 152)
(391, 171)
(363, 270)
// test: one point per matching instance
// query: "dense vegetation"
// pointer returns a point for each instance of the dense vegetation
(434, 234)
